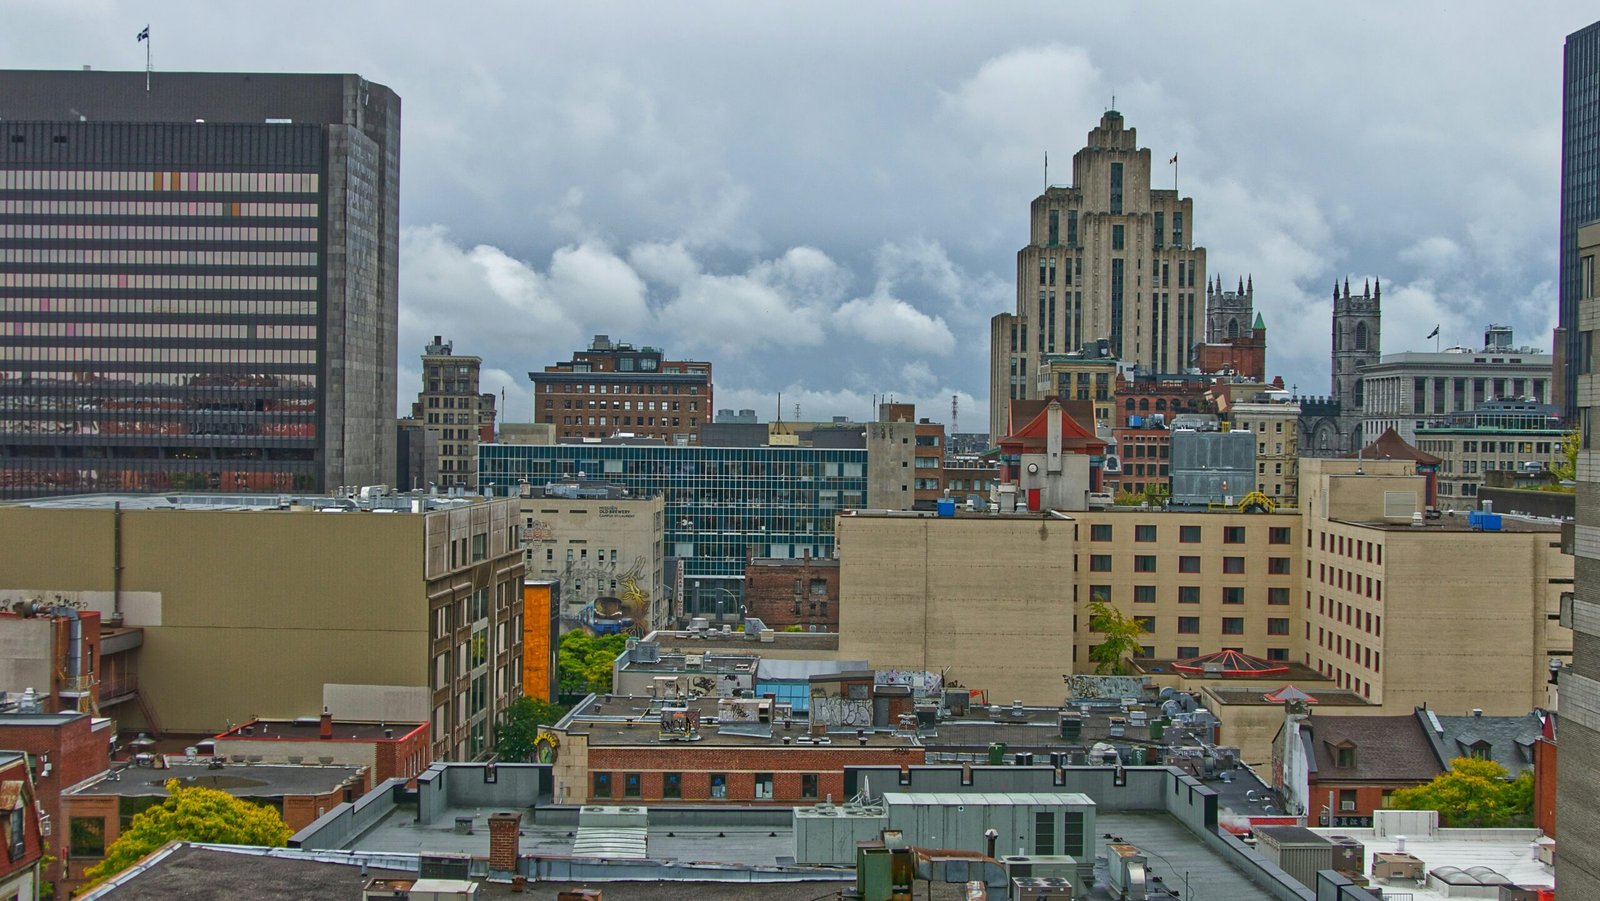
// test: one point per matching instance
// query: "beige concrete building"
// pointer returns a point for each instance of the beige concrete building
(1405, 614)
(1111, 257)
(1499, 436)
(450, 406)
(271, 607)
(1404, 390)
(605, 548)
(1079, 377)
(1000, 602)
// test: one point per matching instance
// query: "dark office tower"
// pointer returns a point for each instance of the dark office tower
(1580, 191)
(197, 281)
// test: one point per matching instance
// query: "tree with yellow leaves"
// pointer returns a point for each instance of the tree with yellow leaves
(192, 814)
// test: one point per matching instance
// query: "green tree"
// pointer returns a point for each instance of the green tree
(1567, 469)
(192, 814)
(1122, 637)
(1475, 792)
(519, 726)
(584, 661)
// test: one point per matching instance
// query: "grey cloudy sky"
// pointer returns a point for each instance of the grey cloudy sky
(826, 199)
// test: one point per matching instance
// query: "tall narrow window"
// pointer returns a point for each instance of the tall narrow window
(1055, 229)
(1116, 189)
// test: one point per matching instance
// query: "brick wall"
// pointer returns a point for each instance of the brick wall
(788, 766)
(1368, 797)
(405, 757)
(76, 753)
(1544, 786)
(769, 590)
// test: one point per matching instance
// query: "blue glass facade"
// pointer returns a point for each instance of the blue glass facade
(721, 502)
(1580, 185)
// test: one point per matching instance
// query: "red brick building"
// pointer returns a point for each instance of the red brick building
(1143, 458)
(788, 592)
(66, 749)
(752, 756)
(613, 388)
(1544, 778)
(19, 816)
(1355, 762)
(1167, 396)
(387, 750)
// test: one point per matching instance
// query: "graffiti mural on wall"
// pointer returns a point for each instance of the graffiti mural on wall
(841, 711)
(1083, 685)
(919, 681)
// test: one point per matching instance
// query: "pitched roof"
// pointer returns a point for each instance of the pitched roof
(1387, 748)
(1075, 436)
(1391, 446)
(1230, 663)
(1507, 740)
(1289, 693)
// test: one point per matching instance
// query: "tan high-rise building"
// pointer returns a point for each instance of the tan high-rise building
(1110, 258)
(450, 406)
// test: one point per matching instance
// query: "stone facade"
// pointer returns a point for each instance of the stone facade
(1109, 258)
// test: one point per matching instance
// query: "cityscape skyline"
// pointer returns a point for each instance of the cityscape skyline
(667, 207)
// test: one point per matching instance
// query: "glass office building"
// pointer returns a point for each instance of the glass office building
(1580, 188)
(721, 503)
(197, 282)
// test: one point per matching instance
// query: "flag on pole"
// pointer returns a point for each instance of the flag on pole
(1433, 334)
(144, 35)
(1172, 162)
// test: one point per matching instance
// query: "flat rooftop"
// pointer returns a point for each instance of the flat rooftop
(241, 781)
(1177, 856)
(310, 729)
(1506, 851)
(1457, 522)
(1256, 695)
(741, 643)
(1298, 673)
(387, 503)
(634, 721)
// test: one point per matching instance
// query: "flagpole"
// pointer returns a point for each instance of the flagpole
(147, 60)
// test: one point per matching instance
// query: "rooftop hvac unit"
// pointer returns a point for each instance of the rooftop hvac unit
(1040, 888)
(1126, 867)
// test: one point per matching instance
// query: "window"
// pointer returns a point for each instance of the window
(1144, 594)
(1146, 623)
(602, 785)
(764, 786)
(1278, 626)
(719, 785)
(1118, 237)
(1189, 534)
(672, 785)
(1278, 566)
(1188, 564)
(1188, 625)
(1188, 594)
(1233, 594)
(1233, 534)
(1100, 594)
(1100, 563)
(1233, 565)
(1347, 800)
(808, 785)
(1100, 532)
(1233, 625)
(1278, 655)
(1044, 832)
(1278, 596)
(88, 837)
(1144, 563)
(1144, 533)
(1186, 651)
(630, 785)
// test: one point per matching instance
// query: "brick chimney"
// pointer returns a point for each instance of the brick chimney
(327, 724)
(505, 844)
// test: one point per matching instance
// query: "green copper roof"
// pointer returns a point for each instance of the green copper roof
(1260, 325)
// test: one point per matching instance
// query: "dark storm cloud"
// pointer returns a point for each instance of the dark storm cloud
(827, 199)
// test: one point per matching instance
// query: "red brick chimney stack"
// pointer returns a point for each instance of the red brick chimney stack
(327, 723)
(505, 843)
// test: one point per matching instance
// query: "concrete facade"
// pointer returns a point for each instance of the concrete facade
(605, 551)
(1437, 615)
(1109, 258)
(451, 407)
(281, 612)
(1277, 430)
(1406, 390)
(1578, 723)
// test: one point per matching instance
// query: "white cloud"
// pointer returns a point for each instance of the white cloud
(889, 322)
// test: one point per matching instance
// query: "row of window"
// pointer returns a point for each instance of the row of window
(186, 282)
(646, 388)
(132, 306)
(1353, 548)
(185, 233)
(1187, 534)
(1277, 596)
(232, 209)
(236, 355)
(694, 405)
(89, 256)
(704, 785)
(677, 421)
(1146, 563)
(136, 180)
(160, 330)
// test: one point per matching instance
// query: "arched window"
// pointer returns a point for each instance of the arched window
(1361, 337)
(1129, 405)
(1144, 403)
(1233, 328)
(1161, 403)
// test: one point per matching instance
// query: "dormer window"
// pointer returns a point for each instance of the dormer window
(1345, 756)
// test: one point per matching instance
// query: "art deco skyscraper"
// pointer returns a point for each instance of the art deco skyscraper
(1110, 258)
(197, 281)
